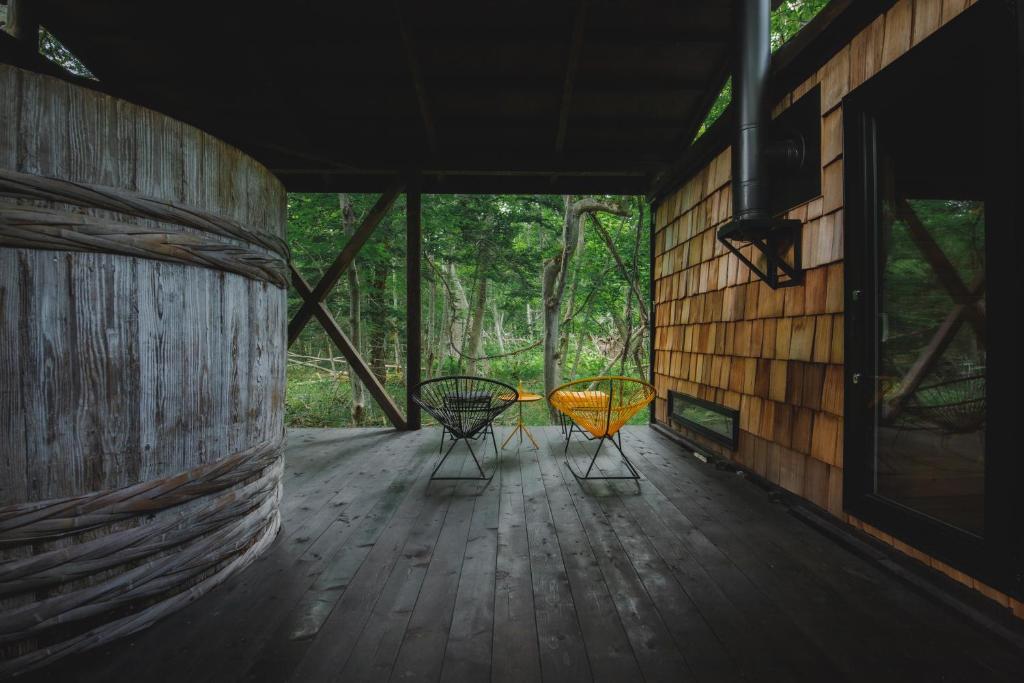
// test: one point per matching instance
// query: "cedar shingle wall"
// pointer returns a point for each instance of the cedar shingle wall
(777, 356)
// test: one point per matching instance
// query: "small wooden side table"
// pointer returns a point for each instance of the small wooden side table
(524, 397)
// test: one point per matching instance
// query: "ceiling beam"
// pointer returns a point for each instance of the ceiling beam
(483, 173)
(570, 75)
(470, 83)
(417, 79)
(475, 184)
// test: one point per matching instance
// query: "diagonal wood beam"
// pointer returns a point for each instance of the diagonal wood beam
(344, 344)
(940, 264)
(343, 261)
(934, 349)
(417, 79)
(575, 49)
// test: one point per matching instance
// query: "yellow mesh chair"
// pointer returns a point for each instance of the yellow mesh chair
(599, 407)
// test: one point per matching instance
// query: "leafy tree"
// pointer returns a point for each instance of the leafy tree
(786, 20)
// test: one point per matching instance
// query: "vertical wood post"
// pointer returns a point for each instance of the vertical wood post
(413, 268)
(23, 23)
(652, 308)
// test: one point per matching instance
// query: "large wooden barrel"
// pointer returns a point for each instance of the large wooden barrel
(142, 353)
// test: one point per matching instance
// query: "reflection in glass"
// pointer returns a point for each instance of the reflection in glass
(931, 385)
(717, 422)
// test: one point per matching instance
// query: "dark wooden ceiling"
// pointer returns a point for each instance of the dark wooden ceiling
(525, 96)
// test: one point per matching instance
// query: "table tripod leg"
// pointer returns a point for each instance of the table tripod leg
(530, 437)
(509, 437)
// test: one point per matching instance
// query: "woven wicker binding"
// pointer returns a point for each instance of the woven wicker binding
(602, 405)
(167, 542)
(599, 407)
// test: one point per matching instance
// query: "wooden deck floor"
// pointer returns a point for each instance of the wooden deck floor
(698, 576)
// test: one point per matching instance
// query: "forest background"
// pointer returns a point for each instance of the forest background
(530, 289)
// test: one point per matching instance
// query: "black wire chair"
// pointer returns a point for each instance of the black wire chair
(465, 407)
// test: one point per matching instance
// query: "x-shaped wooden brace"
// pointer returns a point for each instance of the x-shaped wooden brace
(313, 306)
(967, 305)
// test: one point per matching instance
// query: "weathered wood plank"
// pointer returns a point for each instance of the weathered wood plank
(374, 653)
(745, 590)
(358, 585)
(652, 645)
(121, 369)
(422, 651)
(723, 508)
(515, 657)
(607, 642)
(467, 655)
(563, 655)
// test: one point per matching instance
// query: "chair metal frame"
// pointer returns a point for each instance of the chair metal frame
(634, 474)
(457, 429)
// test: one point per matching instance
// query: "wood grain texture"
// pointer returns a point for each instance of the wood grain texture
(117, 370)
(698, 575)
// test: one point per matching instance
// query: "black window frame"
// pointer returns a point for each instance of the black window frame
(997, 557)
(729, 441)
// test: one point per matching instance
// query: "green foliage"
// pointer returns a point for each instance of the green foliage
(787, 19)
(54, 50)
(914, 300)
(504, 239)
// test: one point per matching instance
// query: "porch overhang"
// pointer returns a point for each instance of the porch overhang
(565, 97)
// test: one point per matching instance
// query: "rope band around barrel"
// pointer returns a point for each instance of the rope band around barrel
(36, 228)
(28, 186)
(260, 255)
(192, 530)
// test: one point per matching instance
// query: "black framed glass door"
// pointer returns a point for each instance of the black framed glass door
(933, 284)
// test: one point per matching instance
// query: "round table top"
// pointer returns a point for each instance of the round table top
(526, 397)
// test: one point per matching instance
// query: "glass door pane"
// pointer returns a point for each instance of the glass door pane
(930, 388)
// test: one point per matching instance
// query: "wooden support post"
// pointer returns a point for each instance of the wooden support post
(652, 329)
(23, 22)
(344, 344)
(413, 264)
(342, 262)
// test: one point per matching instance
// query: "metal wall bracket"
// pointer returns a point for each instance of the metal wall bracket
(772, 238)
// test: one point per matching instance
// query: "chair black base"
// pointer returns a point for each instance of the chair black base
(633, 475)
(482, 434)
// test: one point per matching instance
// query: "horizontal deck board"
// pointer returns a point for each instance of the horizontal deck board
(695, 575)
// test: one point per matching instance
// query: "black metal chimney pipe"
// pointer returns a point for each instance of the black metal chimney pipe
(752, 152)
(750, 198)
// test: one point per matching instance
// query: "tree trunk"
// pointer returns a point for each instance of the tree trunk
(499, 325)
(475, 342)
(554, 276)
(443, 340)
(459, 306)
(378, 319)
(348, 222)
(395, 334)
(630, 278)
(431, 325)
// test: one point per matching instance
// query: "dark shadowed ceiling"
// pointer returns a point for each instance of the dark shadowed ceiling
(481, 96)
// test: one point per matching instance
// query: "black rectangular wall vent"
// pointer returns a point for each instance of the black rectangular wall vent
(799, 184)
(714, 421)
